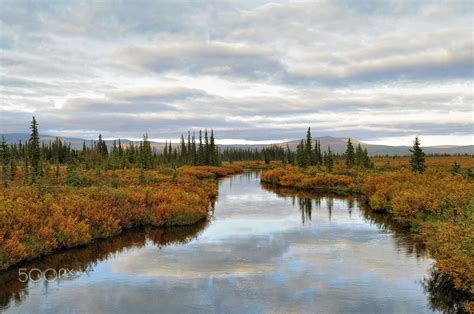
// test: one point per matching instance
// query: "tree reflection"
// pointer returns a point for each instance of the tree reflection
(438, 287)
(442, 294)
(84, 259)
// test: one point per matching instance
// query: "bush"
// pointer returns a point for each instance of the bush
(35, 220)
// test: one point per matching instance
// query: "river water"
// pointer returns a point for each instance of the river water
(263, 250)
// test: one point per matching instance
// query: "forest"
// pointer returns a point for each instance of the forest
(55, 197)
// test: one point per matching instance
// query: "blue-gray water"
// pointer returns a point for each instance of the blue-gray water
(263, 250)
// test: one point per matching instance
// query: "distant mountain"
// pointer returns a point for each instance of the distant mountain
(338, 144)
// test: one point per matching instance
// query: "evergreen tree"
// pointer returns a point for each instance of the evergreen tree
(301, 156)
(309, 148)
(329, 160)
(200, 153)
(366, 160)
(34, 150)
(207, 152)
(213, 158)
(146, 154)
(194, 154)
(318, 157)
(266, 157)
(183, 150)
(289, 155)
(189, 158)
(120, 149)
(359, 156)
(417, 161)
(350, 158)
(102, 148)
(5, 160)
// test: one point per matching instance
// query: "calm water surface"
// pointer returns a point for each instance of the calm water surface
(263, 250)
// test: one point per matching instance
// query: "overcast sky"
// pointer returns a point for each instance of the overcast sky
(377, 71)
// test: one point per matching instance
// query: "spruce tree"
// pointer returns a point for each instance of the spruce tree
(366, 160)
(417, 162)
(102, 148)
(309, 148)
(289, 155)
(194, 155)
(213, 158)
(318, 158)
(189, 158)
(301, 156)
(5, 160)
(183, 151)
(34, 151)
(359, 156)
(350, 159)
(329, 160)
(146, 154)
(207, 153)
(200, 153)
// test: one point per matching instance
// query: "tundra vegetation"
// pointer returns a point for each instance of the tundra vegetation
(431, 196)
(55, 197)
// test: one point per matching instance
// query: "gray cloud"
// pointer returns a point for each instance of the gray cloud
(204, 58)
(252, 70)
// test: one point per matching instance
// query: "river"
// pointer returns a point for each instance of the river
(262, 250)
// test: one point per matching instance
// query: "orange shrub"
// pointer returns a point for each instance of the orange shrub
(35, 220)
(407, 195)
(310, 179)
(452, 245)
(204, 172)
(438, 204)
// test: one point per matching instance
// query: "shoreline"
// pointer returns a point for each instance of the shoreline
(82, 219)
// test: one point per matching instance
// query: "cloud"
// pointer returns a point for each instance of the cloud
(440, 65)
(212, 58)
(252, 70)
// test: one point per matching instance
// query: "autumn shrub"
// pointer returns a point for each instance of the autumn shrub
(204, 172)
(35, 220)
(312, 178)
(408, 195)
(436, 204)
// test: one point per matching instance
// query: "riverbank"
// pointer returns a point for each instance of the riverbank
(436, 205)
(68, 210)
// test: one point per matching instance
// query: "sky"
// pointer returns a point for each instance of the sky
(254, 71)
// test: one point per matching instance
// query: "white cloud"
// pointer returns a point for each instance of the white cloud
(253, 71)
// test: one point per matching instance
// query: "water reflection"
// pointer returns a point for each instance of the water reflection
(84, 259)
(442, 294)
(264, 250)
(439, 288)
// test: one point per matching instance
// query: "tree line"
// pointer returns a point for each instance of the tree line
(309, 155)
(35, 157)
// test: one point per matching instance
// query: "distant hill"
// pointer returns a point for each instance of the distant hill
(338, 144)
